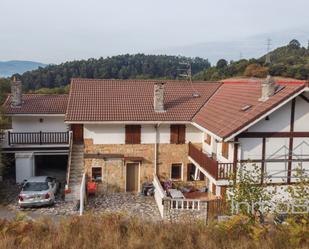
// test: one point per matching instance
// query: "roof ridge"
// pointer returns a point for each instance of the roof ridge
(206, 101)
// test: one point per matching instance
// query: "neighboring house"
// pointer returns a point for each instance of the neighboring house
(127, 131)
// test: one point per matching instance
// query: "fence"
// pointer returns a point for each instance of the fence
(82, 194)
(159, 195)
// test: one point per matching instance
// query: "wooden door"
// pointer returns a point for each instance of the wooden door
(78, 133)
(132, 177)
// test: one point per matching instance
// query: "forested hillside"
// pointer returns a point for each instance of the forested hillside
(116, 67)
(290, 61)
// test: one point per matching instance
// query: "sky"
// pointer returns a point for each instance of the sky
(54, 31)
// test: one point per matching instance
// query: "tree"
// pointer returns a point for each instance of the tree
(256, 70)
(221, 64)
(247, 190)
(295, 44)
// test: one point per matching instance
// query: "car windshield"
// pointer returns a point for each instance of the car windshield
(35, 186)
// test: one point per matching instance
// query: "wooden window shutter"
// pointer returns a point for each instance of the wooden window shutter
(174, 134)
(136, 134)
(225, 150)
(128, 134)
(181, 134)
(133, 134)
(208, 139)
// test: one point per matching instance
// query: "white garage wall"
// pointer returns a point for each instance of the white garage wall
(32, 124)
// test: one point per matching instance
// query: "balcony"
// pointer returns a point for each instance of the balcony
(219, 171)
(37, 138)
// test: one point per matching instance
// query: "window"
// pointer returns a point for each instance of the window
(176, 171)
(225, 150)
(207, 139)
(96, 174)
(133, 134)
(191, 173)
(178, 134)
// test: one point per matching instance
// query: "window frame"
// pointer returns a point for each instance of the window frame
(225, 150)
(181, 172)
(133, 134)
(97, 167)
(178, 134)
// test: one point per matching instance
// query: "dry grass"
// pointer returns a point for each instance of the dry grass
(116, 231)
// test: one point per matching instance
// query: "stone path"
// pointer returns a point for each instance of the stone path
(134, 205)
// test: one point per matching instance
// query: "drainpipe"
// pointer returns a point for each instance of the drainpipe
(156, 149)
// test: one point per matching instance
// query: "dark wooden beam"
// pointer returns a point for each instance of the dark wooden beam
(291, 140)
(274, 134)
(102, 156)
(263, 159)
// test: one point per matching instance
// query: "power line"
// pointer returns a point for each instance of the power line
(268, 47)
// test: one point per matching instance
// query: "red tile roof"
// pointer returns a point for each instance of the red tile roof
(38, 104)
(222, 114)
(132, 100)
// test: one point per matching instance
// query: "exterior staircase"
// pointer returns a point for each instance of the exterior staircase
(76, 170)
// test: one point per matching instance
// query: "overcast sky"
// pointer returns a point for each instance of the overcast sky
(54, 31)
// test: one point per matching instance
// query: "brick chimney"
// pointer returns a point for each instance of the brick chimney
(158, 98)
(268, 88)
(16, 90)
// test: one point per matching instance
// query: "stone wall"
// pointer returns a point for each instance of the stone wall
(114, 171)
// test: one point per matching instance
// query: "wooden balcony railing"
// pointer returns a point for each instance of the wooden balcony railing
(219, 171)
(40, 138)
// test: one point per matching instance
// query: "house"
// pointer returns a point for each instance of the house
(124, 133)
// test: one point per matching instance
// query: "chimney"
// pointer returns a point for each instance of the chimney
(158, 99)
(268, 88)
(16, 90)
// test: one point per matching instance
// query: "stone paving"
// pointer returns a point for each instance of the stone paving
(134, 205)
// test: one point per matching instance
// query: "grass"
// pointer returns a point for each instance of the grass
(117, 231)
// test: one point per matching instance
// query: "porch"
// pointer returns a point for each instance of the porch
(20, 139)
(178, 203)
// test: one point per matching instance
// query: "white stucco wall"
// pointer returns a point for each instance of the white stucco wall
(33, 124)
(301, 120)
(115, 133)
(278, 121)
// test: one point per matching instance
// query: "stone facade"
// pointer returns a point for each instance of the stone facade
(114, 170)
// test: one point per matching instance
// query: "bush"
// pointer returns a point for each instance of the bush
(116, 231)
(256, 70)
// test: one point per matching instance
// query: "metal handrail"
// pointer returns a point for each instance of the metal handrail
(69, 160)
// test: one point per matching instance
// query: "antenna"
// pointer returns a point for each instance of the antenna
(268, 46)
(187, 74)
(240, 55)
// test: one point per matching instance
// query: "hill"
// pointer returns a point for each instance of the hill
(116, 67)
(290, 61)
(8, 68)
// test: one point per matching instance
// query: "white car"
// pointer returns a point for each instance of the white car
(38, 191)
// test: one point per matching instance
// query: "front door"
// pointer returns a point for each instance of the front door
(132, 177)
(78, 133)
